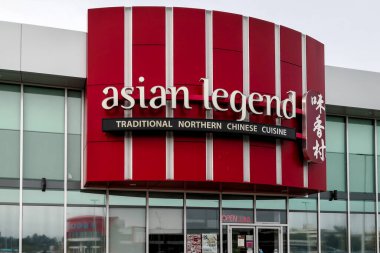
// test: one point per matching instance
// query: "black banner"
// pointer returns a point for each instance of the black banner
(198, 125)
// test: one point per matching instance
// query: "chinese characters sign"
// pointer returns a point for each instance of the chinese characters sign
(313, 127)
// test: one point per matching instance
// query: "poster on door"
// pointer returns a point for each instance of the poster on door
(194, 243)
(209, 243)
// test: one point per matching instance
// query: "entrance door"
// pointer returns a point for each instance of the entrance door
(252, 239)
(268, 240)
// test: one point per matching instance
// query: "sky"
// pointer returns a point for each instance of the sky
(348, 28)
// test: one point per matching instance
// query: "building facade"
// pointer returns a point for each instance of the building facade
(71, 183)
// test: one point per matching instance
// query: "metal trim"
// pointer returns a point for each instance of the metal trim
(184, 222)
(348, 187)
(65, 157)
(376, 185)
(128, 155)
(319, 222)
(220, 223)
(287, 229)
(277, 41)
(209, 75)
(21, 167)
(169, 83)
(107, 222)
(147, 222)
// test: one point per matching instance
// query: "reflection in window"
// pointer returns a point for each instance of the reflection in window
(361, 151)
(363, 229)
(42, 229)
(127, 222)
(43, 126)
(336, 153)
(303, 225)
(202, 221)
(165, 230)
(9, 228)
(74, 116)
(333, 226)
(9, 131)
(86, 229)
(271, 209)
(127, 230)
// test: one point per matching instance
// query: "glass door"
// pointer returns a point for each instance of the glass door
(241, 239)
(268, 240)
(254, 239)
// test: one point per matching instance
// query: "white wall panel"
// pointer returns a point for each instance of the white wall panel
(10, 41)
(53, 51)
(352, 88)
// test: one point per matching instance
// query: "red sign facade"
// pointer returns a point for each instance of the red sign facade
(177, 47)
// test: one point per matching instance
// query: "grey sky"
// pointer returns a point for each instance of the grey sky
(348, 28)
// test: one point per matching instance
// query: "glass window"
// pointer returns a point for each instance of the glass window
(363, 228)
(9, 196)
(74, 122)
(43, 127)
(165, 199)
(10, 131)
(86, 229)
(361, 154)
(202, 200)
(127, 230)
(303, 225)
(9, 221)
(271, 209)
(333, 225)
(237, 209)
(165, 230)
(40, 197)
(127, 198)
(86, 198)
(202, 220)
(42, 229)
(336, 153)
(237, 201)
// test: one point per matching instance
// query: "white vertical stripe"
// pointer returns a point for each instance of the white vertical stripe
(65, 176)
(169, 83)
(246, 151)
(278, 93)
(21, 166)
(128, 172)
(209, 75)
(304, 89)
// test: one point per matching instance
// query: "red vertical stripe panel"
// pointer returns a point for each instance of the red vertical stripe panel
(189, 66)
(291, 79)
(105, 152)
(262, 80)
(148, 60)
(227, 74)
